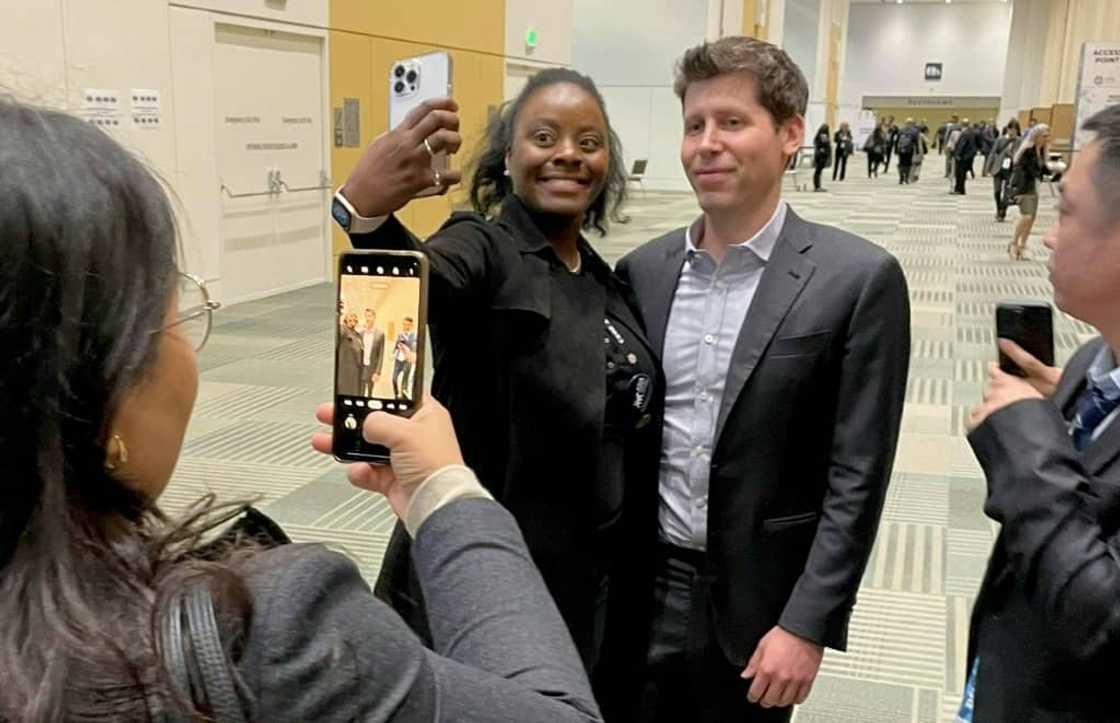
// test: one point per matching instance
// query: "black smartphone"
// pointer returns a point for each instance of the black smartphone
(1030, 324)
(379, 349)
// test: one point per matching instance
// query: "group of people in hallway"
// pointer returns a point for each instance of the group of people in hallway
(909, 142)
(360, 353)
(646, 493)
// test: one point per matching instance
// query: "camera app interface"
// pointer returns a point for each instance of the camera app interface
(375, 369)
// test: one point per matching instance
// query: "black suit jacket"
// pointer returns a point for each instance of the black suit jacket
(968, 145)
(806, 431)
(1046, 625)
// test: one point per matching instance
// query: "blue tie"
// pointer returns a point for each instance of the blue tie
(1091, 411)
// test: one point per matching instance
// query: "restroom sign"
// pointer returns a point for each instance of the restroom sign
(933, 71)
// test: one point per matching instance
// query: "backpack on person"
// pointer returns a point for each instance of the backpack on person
(905, 143)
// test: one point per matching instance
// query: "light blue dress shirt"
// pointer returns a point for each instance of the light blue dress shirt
(707, 313)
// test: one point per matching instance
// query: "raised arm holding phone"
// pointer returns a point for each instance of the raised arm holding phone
(538, 350)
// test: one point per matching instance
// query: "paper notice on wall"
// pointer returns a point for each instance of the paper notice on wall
(146, 112)
(102, 107)
(1098, 85)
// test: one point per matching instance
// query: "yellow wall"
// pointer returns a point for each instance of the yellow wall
(751, 26)
(366, 37)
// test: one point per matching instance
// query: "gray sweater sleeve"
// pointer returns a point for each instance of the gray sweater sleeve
(322, 648)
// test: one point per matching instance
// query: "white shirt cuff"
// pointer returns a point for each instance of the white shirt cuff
(442, 487)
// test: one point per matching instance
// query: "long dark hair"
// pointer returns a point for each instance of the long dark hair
(489, 184)
(87, 271)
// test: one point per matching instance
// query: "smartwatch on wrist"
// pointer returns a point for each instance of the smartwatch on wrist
(350, 220)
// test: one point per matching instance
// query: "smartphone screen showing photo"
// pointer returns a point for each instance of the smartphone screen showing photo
(380, 339)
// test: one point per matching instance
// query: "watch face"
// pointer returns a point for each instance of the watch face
(340, 214)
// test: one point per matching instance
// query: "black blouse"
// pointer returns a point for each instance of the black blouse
(557, 415)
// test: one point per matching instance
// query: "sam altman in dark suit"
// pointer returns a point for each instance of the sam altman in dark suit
(1045, 642)
(785, 346)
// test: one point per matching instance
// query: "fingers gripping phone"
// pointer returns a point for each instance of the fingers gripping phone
(379, 348)
(1029, 324)
(411, 82)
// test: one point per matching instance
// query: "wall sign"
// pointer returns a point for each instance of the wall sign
(1098, 85)
(933, 71)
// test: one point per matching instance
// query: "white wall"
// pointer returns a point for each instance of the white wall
(889, 45)
(802, 40)
(59, 48)
(629, 48)
(553, 21)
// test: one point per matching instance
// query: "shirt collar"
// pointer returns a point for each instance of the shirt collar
(761, 244)
(1104, 374)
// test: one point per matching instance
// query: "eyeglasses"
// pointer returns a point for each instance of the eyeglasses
(196, 311)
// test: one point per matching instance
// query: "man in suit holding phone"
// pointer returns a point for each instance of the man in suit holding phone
(785, 345)
(1045, 639)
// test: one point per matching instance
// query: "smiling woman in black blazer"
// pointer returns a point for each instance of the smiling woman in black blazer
(538, 352)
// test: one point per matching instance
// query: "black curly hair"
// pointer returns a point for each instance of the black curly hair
(489, 184)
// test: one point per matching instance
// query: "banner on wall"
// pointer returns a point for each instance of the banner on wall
(1098, 84)
(862, 128)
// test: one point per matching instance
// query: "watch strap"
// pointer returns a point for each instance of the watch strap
(358, 223)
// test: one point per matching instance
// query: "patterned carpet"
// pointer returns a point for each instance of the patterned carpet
(269, 363)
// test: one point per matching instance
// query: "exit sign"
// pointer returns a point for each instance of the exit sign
(531, 37)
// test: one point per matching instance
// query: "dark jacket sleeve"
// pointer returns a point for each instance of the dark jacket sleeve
(868, 416)
(1060, 528)
(460, 256)
(322, 648)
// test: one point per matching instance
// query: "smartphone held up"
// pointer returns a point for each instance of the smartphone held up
(380, 347)
(411, 82)
(1029, 324)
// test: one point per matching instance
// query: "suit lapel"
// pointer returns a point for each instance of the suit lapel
(786, 274)
(664, 286)
(1073, 379)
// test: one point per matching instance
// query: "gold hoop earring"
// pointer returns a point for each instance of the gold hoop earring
(116, 453)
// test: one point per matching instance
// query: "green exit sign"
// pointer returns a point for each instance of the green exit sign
(531, 38)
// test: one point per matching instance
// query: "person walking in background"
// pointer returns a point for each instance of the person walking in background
(844, 149)
(873, 147)
(990, 135)
(964, 153)
(822, 154)
(942, 136)
(999, 164)
(890, 132)
(1027, 169)
(952, 134)
(920, 152)
(909, 138)
(404, 356)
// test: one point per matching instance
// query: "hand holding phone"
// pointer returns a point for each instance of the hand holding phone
(380, 294)
(396, 166)
(1030, 325)
(419, 447)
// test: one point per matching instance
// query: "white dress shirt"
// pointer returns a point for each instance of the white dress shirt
(707, 314)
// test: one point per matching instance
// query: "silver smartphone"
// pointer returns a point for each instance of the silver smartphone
(411, 82)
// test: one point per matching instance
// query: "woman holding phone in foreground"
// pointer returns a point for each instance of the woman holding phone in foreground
(538, 350)
(103, 332)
